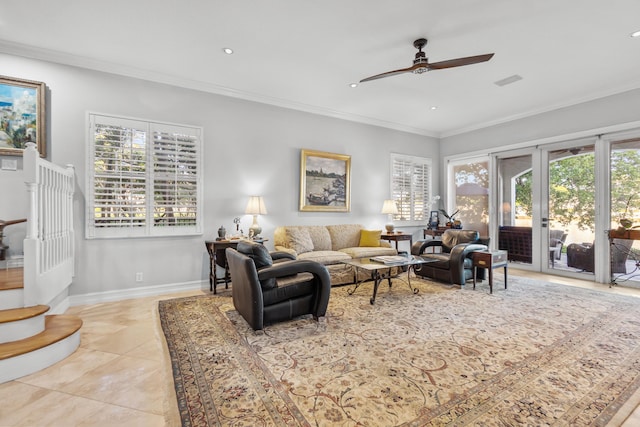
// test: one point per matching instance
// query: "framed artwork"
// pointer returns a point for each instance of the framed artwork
(325, 182)
(22, 116)
(434, 219)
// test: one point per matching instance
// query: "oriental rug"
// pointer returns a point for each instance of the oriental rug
(535, 354)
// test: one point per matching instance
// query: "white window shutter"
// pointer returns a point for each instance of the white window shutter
(143, 178)
(411, 187)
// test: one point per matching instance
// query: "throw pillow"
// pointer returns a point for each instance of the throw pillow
(299, 240)
(370, 238)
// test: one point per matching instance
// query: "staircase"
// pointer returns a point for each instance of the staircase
(30, 340)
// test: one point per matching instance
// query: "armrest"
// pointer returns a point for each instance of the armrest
(462, 250)
(282, 255)
(289, 268)
(286, 250)
(419, 247)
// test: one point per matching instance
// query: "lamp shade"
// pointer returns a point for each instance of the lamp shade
(390, 207)
(256, 206)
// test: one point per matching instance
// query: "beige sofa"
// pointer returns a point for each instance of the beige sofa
(330, 245)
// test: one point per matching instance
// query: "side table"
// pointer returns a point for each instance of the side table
(489, 260)
(397, 237)
(217, 256)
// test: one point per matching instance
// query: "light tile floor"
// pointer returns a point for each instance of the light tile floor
(120, 375)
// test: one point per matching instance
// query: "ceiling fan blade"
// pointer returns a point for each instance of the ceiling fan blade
(459, 62)
(393, 73)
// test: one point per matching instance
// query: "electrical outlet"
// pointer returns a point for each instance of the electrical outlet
(139, 276)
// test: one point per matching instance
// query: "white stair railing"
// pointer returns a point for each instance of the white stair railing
(49, 244)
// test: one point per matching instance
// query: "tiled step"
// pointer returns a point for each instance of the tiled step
(20, 323)
(60, 338)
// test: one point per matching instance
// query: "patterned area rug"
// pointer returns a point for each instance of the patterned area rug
(535, 354)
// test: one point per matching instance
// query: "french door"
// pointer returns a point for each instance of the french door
(546, 200)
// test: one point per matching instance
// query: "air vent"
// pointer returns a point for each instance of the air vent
(508, 80)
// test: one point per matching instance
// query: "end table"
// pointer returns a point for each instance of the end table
(216, 249)
(397, 237)
(489, 260)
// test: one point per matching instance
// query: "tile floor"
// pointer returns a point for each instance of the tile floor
(120, 375)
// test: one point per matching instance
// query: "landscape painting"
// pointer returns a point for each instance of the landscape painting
(324, 182)
(22, 104)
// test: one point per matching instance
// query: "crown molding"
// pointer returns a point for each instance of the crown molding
(33, 52)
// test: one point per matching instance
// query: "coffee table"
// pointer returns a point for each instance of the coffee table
(381, 271)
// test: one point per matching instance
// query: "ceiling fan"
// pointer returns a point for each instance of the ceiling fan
(421, 63)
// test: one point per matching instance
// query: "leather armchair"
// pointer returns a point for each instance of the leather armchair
(265, 292)
(453, 263)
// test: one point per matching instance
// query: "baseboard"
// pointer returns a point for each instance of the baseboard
(122, 294)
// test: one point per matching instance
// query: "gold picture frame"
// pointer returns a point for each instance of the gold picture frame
(325, 182)
(22, 116)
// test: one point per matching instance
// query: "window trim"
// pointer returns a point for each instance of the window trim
(151, 127)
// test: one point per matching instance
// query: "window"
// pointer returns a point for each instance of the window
(143, 178)
(469, 192)
(411, 187)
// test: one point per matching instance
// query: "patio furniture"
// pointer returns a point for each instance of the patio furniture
(516, 241)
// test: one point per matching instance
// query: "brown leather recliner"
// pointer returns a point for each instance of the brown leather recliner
(453, 264)
(264, 291)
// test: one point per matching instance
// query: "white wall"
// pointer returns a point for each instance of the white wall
(597, 114)
(249, 148)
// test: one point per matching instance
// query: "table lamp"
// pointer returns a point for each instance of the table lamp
(255, 207)
(390, 208)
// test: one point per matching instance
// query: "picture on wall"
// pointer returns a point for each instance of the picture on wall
(22, 116)
(325, 182)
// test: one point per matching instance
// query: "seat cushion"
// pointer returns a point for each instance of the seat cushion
(443, 261)
(368, 252)
(288, 288)
(326, 257)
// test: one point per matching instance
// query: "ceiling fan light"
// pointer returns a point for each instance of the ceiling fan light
(420, 70)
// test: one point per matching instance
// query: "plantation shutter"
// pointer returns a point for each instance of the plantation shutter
(143, 178)
(411, 187)
(175, 176)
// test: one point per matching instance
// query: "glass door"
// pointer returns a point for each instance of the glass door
(570, 202)
(545, 201)
(514, 198)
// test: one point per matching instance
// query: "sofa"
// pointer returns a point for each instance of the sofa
(331, 245)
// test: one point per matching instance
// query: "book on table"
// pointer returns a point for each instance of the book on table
(390, 259)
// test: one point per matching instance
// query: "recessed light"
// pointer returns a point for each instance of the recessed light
(227, 50)
(353, 85)
(635, 34)
(434, 107)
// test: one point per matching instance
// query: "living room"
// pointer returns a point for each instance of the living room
(250, 146)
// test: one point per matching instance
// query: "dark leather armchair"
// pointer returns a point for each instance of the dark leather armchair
(265, 291)
(453, 263)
